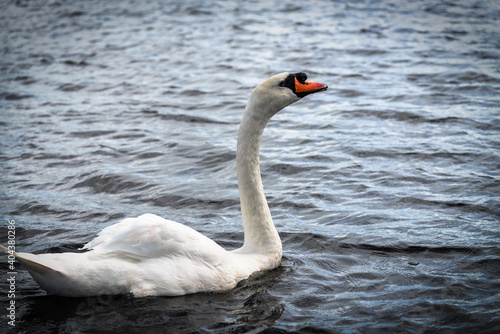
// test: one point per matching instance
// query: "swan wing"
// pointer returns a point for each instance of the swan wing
(150, 237)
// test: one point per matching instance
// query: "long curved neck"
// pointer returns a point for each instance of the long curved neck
(260, 234)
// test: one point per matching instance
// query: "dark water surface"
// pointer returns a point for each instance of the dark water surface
(385, 188)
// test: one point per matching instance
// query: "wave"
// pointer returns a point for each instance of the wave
(181, 117)
(109, 183)
(414, 118)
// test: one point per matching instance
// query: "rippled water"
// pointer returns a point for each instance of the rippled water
(385, 188)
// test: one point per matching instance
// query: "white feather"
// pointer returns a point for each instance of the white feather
(149, 255)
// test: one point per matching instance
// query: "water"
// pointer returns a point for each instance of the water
(385, 188)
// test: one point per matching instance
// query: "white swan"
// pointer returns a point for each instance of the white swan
(151, 256)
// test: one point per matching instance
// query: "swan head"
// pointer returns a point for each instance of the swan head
(282, 90)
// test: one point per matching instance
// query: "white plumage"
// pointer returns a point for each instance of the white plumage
(149, 255)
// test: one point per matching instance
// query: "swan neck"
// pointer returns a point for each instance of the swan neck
(260, 233)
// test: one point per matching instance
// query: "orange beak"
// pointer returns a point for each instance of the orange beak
(305, 88)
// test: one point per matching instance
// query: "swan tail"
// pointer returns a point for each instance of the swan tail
(6, 250)
(32, 262)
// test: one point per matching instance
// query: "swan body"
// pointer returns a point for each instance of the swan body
(151, 256)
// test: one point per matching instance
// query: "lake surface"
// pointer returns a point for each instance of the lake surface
(385, 189)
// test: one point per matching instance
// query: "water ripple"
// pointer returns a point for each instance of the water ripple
(384, 188)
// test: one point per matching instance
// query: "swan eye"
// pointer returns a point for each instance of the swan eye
(282, 83)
